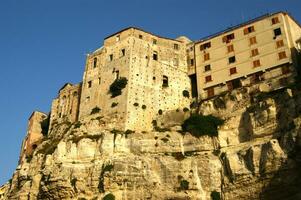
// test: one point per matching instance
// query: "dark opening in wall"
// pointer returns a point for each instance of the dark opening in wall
(94, 62)
(155, 56)
(194, 90)
(277, 32)
(165, 81)
(232, 59)
(123, 52)
(236, 83)
(89, 84)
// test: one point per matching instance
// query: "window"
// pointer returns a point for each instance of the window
(253, 40)
(99, 80)
(123, 52)
(111, 57)
(249, 29)
(275, 20)
(282, 55)
(230, 48)
(89, 84)
(87, 99)
(232, 59)
(256, 63)
(191, 62)
(254, 52)
(206, 56)
(116, 74)
(208, 78)
(117, 38)
(94, 62)
(165, 81)
(210, 92)
(228, 38)
(207, 68)
(205, 46)
(277, 32)
(176, 46)
(176, 61)
(257, 77)
(285, 69)
(279, 43)
(140, 36)
(155, 56)
(154, 41)
(233, 70)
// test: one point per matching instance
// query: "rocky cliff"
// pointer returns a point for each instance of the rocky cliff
(255, 156)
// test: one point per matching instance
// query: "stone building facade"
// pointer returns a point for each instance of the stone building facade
(66, 105)
(34, 134)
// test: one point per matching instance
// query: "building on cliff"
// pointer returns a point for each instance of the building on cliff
(161, 74)
(34, 135)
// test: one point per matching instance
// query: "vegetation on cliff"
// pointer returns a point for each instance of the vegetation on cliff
(199, 125)
(117, 86)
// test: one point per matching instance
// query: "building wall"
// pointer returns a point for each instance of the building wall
(34, 134)
(266, 45)
(144, 74)
(147, 93)
(66, 105)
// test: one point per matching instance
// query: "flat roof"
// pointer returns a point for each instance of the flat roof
(139, 29)
(243, 24)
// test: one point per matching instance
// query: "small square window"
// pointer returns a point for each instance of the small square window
(256, 63)
(210, 92)
(254, 52)
(230, 48)
(191, 62)
(277, 32)
(123, 52)
(176, 46)
(111, 57)
(207, 68)
(275, 20)
(155, 56)
(140, 36)
(206, 56)
(205, 46)
(253, 40)
(282, 55)
(232, 59)
(279, 43)
(249, 29)
(89, 84)
(233, 70)
(208, 78)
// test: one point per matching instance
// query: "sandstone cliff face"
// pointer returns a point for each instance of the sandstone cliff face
(256, 156)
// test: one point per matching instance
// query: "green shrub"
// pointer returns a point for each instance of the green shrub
(114, 104)
(95, 110)
(178, 156)
(45, 125)
(28, 158)
(184, 185)
(199, 125)
(73, 183)
(109, 196)
(186, 93)
(215, 195)
(77, 125)
(117, 86)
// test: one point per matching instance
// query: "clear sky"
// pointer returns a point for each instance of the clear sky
(43, 44)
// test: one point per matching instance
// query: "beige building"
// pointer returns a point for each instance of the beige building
(263, 49)
(156, 73)
(66, 105)
(34, 134)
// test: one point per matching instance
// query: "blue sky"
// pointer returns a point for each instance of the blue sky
(43, 45)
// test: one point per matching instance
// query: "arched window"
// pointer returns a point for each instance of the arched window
(74, 94)
(165, 81)
(94, 62)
